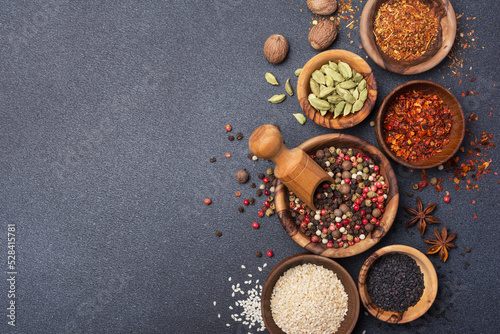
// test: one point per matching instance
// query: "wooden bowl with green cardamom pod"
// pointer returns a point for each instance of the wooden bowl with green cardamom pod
(337, 89)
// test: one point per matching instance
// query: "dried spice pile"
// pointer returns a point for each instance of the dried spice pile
(349, 209)
(405, 29)
(417, 126)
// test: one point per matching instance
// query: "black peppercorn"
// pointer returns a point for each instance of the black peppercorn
(231, 138)
(212, 159)
(241, 209)
(239, 136)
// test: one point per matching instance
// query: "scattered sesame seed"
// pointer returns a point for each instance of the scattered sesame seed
(243, 266)
(215, 303)
(265, 265)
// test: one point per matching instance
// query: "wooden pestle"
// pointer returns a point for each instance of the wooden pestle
(294, 167)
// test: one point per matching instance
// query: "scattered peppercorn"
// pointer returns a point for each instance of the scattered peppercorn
(212, 159)
(258, 192)
(228, 155)
(207, 201)
(228, 127)
(238, 194)
(446, 199)
(415, 186)
(241, 209)
(467, 249)
(218, 233)
(231, 138)
(258, 254)
(250, 155)
(251, 200)
(270, 171)
(255, 225)
(261, 176)
(242, 176)
(239, 136)
(270, 253)
(252, 185)
(246, 202)
(410, 194)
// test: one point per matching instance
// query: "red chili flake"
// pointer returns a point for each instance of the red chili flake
(473, 201)
(207, 201)
(417, 126)
(475, 216)
(228, 155)
(473, 79)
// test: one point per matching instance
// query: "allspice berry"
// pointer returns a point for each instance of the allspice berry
(276, 48)
(242, 176)
(322, 35)
(322, 7)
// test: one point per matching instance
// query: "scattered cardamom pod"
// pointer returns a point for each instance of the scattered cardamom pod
(277, 98)
(298, 71)
(270, 78)
(288, 87)
(300, 118)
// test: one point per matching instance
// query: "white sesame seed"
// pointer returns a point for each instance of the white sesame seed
(243, 266)
(230, 307)
(229, 279)
(215, 303)
(228, 325)
(218, 315)
(249, 275)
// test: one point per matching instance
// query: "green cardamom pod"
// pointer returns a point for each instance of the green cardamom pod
(298, 71)
(288, 87)
(333, 65)
(319, 104)
(277, 98)
(337, 77)
(345, 70)
(357, 77)
(339, 109)
(329, 81)
(363, 95)
(362, 85)
(323, 68)
(341, 91)
(348, 84)
(355, 93)
(271, 79)
(325, 92)
(323, 112)
(349, 98)
(347, 109)
(314, 87)
(330, 72)
(300, 118)
(357, 106)
(334, 99)
(318, 77)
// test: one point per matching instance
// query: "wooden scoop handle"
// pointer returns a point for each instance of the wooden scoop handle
(294, 167)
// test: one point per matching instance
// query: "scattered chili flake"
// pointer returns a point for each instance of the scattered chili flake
(228, 155)
(238, 194)
(218, 233)
(475, 216)
(417, 126)
(467, 249)
(228, 127)
(207, 201)
(405, 29)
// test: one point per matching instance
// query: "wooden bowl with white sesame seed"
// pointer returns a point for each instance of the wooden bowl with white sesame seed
(391, 204)
(353, 303)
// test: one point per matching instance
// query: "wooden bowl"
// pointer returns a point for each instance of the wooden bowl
(457, 130)
(437, 51)
(341, 140)
(303, 89)
(428, 296)
(351, 317)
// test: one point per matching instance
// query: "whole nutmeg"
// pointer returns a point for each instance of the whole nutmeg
(242, 176)
(322, 7)
(322, 35)
(276, 48)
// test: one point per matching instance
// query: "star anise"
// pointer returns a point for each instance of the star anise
(442, 243)
(421, 215)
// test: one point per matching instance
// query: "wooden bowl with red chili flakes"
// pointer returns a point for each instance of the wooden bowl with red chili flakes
(420, 124)
(408, 36)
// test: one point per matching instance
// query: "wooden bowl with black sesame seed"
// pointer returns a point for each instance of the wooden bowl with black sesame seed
(428, 295)
(391, 203)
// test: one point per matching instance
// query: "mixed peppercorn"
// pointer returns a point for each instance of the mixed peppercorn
(350, 208)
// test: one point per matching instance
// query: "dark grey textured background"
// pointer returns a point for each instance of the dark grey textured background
(110, 112)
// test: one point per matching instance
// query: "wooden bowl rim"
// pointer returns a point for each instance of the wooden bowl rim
(369, 44)
(304, 258)
(413, 312)
(374, 237)
(458, 111)
(342, 122)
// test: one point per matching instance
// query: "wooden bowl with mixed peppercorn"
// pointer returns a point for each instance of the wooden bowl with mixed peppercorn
(354, 213)
(408, 36)
(342, 87)
(395, 279)
(420, 124)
